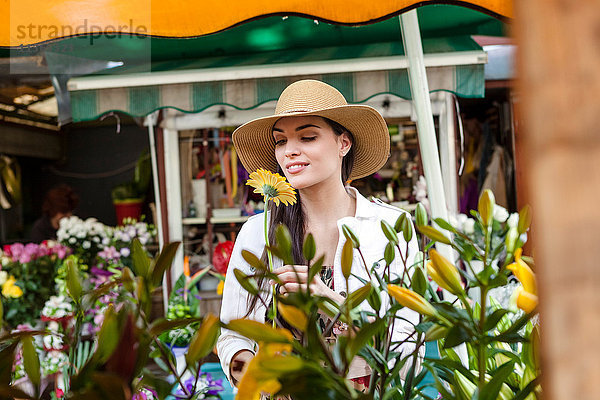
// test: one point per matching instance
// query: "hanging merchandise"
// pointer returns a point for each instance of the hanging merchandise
(10, 182)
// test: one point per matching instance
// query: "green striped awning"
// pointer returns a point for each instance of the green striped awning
(357, 87)
(184, 85)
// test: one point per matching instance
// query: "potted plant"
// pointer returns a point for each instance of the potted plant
(128, 197)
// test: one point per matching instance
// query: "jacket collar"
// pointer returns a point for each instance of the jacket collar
(364, 208)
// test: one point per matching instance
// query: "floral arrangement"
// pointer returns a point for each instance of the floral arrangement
(28, 268)
(84, 237)
(500, 344)
(114, 366)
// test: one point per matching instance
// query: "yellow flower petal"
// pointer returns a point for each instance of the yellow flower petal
(524, 273)
(526, 301)
(273, 186)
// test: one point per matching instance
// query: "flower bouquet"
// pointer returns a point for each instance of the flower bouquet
(28, 269)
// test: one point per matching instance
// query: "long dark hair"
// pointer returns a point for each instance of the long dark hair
(293, 216)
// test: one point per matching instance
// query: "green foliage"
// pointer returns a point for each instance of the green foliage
(136, 188)
(115, 366)
(501, 343)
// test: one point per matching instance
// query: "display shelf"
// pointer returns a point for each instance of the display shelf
(214, 220)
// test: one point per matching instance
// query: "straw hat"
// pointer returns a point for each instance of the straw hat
(256, 147)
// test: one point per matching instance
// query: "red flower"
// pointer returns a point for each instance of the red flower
(59, 393)
(221, 256)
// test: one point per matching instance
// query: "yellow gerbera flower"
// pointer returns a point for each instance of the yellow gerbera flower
(272, 187)
(9, 289)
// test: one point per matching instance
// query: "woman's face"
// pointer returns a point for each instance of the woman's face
(308, 151)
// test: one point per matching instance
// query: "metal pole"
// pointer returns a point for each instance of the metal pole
(419, 87)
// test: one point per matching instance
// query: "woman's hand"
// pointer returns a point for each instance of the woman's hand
(293, 277)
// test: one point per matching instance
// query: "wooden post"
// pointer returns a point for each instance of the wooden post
(559, 85)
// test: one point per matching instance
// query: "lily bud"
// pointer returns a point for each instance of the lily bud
(412, 300)
(420, 215)
(436, 332)
(444, 273)
(486, 207)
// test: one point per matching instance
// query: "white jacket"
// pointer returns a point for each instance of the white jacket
(366, 224)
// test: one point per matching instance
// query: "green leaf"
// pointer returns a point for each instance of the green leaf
(315, 268)
(162, 325)
(389, 253)
(347, 257)
(492, 388)
(163, 262)
(108, 336)
(456, 335)
(350, 235)
(358, 296)
(492, 319)
(363, 337)
(204, 340)
(374, 300)
(419, 282)
(246, 282)
(442, 223)
(140, 260)
(389, 232)
(258, 332)
(253, 260)
(31, 362)
(309, 248)
(434, 234)
(73, 281)
(524, 219)
(284, 243)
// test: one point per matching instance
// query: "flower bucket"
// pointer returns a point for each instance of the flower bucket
(130, 208)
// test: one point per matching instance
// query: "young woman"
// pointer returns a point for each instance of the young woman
(318, 142)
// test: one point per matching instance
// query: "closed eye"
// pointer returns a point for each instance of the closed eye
(309, 138)
(279, 142)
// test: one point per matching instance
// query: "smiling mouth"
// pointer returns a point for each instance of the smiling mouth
(296, 167)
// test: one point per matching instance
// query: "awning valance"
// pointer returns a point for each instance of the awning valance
(247, 82)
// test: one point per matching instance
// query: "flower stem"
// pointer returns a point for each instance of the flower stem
(270, 256)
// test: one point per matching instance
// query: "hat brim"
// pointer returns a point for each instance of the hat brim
(255, 145)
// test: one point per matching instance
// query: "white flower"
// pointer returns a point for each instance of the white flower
(105, 241)
(469, 226)
(53, 326)
(143, 240)
(513, 220)
(125, 252)
(86, 244)
(500, 213)
(461, 219)
(72, 240)
(3, 277)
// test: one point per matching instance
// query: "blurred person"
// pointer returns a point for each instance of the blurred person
(59, 203)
